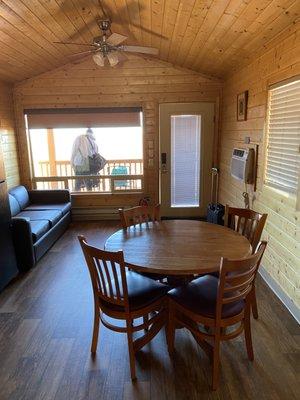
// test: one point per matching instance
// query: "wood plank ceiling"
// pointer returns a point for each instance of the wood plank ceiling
(208, 36)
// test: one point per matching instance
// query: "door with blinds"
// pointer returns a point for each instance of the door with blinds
(186, 151)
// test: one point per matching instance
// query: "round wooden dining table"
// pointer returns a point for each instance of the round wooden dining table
(178, 247)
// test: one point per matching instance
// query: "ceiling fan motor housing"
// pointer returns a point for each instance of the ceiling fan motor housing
(104, 24)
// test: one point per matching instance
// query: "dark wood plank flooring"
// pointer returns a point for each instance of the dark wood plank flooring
(45, 333)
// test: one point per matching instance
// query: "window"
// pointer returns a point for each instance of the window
(118, 134)
(185, 160)
(283, 140)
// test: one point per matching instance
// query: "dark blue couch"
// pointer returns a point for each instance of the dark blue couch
(39, 218)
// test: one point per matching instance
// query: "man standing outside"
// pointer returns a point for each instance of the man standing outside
(84, 149)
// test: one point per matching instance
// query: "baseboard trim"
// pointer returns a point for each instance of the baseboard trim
(95, 213)
(279, 292)
(95, 217)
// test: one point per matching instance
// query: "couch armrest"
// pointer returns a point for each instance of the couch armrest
(22, 239)
(49, 196)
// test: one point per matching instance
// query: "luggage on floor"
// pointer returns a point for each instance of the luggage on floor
(215, 210)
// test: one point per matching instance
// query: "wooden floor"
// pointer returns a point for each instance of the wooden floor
(45, 332)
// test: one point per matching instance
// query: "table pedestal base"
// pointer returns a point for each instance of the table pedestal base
(179, 280)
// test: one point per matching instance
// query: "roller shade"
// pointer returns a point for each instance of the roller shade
(283, 149)
(82, 118)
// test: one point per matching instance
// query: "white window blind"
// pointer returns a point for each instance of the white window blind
(185, 160)
(283, 147)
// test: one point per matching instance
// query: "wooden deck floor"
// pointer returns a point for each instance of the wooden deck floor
(45, 332)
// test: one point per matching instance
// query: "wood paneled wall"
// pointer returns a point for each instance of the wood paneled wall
(140, 81)
(279, 61)
(7, 135)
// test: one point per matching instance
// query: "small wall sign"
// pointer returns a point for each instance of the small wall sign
(242, 103)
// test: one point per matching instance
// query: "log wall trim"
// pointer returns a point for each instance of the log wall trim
(7, 135)
(278, 63)
(139, 82)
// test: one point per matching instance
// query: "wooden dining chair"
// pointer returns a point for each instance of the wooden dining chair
(250, 224)
(247, 222)
(124, 295)
(217, 303)
(138, 215)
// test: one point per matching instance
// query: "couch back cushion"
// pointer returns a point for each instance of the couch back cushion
(14, 205)
(21, 195)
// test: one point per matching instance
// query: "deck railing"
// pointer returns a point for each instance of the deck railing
(116, 176)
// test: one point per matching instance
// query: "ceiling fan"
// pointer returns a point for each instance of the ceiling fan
(108, 47)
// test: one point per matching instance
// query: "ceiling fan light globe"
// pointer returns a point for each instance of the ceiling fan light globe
(98, 59)
(113, 58)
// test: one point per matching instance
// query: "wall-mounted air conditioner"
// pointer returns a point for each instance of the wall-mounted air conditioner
(242, 165)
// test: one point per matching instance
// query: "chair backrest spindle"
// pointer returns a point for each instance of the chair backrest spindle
(108, 274)
(237, 277)
(247, 222)
(138, 215)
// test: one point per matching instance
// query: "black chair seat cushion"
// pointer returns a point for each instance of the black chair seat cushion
(200, 297)
(142, 291)
(63, 207)
(53, 216)
(39, 228)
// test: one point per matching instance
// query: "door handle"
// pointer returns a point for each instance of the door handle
(163, 162)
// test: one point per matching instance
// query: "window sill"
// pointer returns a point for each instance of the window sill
(85, 194)
(279, 192)
(291, 200)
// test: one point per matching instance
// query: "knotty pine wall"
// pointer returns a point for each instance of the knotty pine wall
(7, 135)
(279, 60)
(139, 81)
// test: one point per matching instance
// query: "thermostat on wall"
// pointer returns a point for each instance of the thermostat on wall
(242, 164)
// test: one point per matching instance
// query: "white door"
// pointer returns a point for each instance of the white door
(186, 149)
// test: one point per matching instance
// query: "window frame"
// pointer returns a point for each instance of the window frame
(35, 180)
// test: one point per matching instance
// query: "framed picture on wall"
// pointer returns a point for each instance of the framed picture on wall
(242, 103)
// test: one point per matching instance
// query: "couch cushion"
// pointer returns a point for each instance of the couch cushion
(200, 297)
(142, 291)
(21, 195)
(63, 207)
(39, 228)
(53, 216)
(14, 205)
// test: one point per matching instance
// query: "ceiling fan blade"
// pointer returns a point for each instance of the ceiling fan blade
(81, 53)
(116, 38)
(113, 58)
(77, 44)
(140, 49)
(161, 36)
